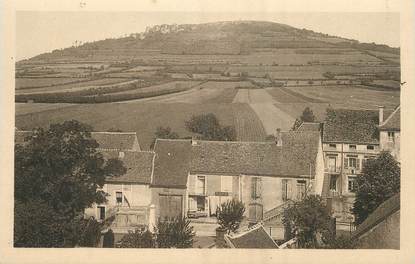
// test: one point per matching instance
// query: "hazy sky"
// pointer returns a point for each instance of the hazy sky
(39, 32)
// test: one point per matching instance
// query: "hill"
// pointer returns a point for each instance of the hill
(219, 38)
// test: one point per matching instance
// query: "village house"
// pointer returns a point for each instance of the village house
(350, 138)
(265, 176)
(129, 195)
(192, 177)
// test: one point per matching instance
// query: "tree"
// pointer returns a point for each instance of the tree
(209, 128)
(230, 215)
(306, 220)
(174, 233)
(380, 179)
(59, 172)
(137, 239)
(306, 116)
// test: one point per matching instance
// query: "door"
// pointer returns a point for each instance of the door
(170, 206)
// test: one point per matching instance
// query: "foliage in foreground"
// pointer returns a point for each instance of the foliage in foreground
(307, 220)
(170, 233)
(58, 174)
(230, 215)
(380, 180)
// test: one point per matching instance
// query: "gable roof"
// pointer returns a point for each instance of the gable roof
(106, 140)
(139, 166)
(393, 122)
(309, 126)
(171, 163)
(255, 237)
(387, 208)
(116, 140)
(176, 158)
(352, 126)
(294, 158)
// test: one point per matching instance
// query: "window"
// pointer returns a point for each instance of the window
(284, 190)
(255, 188)
(101, 212)
(200, 200)
(332, 164)
(391, 136)
(226, 183)
(352, 162)
(200, 185)
(332, 146)
(352, 147)
(370, 147)
(333, 182)
(352, 184)
(118, 197)
(301, 189)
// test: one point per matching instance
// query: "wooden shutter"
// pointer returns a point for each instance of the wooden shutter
(358, 164)
(284, 190)
(346, 165)
(290, 190)
(253, 188)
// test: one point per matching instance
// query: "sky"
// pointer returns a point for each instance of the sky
(43, 31)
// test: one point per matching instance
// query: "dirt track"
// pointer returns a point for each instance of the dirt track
(264, 106)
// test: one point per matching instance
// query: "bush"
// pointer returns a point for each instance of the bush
(108, 239)
(137, 239)
(230, 215)
(175, 233)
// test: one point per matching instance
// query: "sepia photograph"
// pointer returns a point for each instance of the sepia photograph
(216, 130)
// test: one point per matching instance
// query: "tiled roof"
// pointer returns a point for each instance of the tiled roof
(352, 126)
(393, 122)
(255, 237)
(298, 151)
(308, 126)
(106, 140)
(116, 140)
(175, 159)
(384, 210)
(171, 164)
(139, 166)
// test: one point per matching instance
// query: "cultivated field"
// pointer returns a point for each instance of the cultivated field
(75, 86)
(144, 118)
(27, 83)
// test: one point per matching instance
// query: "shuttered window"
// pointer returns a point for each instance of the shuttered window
(255, 188)
(284, 190)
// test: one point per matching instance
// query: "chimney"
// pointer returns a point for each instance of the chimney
(194, 142)
(278, 137)
(381, 108)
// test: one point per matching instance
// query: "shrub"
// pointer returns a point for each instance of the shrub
(108, 239)
(230, 215)
(137, 239)
(175, 233)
